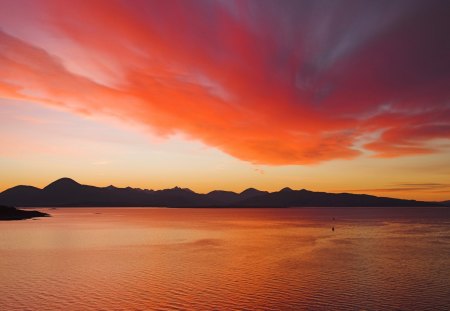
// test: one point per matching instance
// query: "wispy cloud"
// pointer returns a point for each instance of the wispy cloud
(269, 82)
(101, 162)
(402, 187)
(259, 171)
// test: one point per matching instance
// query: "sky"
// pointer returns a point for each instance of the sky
(337, 96)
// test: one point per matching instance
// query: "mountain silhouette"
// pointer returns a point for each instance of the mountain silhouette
(62, 184)
(67, 192)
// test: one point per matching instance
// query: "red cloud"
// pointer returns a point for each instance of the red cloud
(266, 82)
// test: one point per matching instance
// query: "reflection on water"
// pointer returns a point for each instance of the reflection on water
(204, 259)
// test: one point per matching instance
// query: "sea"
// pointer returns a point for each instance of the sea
(227, 259)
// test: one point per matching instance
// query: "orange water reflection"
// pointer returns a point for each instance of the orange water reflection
(142, 259)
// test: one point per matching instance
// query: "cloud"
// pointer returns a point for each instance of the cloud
(259, 171)
(269, 82)
(101, 162)
(401, 187)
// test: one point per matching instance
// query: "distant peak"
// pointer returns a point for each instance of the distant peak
(65, 180)
(250, 190)
(220, 191)
(286, 189)
(62, 182)
(178, 189)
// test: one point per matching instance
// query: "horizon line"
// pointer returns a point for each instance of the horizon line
(249, 188)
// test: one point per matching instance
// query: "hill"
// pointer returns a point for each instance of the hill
(67, 192)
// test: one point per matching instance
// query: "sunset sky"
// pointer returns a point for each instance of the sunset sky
(338, 96)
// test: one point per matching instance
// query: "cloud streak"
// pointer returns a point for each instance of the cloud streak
(403, 187)
(267, 82)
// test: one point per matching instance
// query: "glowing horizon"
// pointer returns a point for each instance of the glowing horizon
(342, 97)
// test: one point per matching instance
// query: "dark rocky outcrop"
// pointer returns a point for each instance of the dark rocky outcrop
(12, 213)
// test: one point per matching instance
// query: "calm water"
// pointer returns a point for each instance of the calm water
(225, 259)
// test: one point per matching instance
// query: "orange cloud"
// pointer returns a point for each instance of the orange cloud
(261, 83)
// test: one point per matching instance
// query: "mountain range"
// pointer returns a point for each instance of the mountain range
(66, 192)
